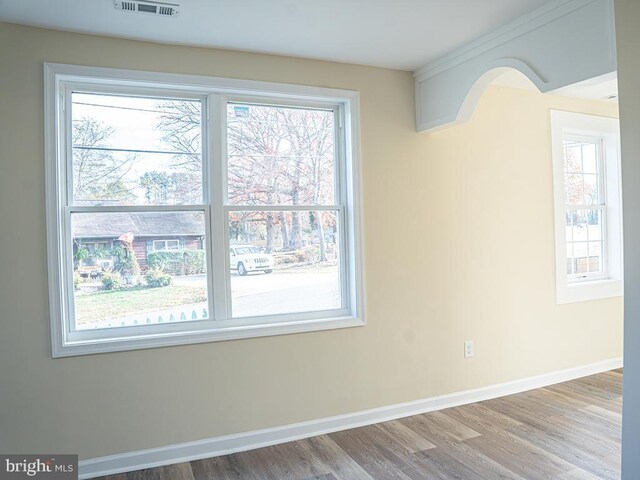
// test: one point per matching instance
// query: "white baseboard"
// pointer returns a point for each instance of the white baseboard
(212, 447)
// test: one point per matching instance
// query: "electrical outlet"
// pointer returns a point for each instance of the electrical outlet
(468, 348)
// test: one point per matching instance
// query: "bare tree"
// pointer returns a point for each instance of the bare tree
(276, 156)
(181, 124)
(97, 173)
(281, 155)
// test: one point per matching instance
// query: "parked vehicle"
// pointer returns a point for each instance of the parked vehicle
(249, 258)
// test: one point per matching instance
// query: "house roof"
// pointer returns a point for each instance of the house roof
(147, 224)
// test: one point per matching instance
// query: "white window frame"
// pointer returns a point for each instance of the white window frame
(215, 93)
(605, 130)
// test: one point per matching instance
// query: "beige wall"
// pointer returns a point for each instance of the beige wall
(459, 245)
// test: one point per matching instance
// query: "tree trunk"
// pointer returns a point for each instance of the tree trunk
(286, 245)
(320, 230)
(296, 241)
(269, 247)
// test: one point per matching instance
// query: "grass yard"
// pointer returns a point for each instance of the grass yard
(105, 305)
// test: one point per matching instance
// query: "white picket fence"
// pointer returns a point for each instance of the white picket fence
(182, 313)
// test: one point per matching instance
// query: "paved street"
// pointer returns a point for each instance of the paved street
(280, 292)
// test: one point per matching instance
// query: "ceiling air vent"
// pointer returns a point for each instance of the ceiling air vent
(155, 8)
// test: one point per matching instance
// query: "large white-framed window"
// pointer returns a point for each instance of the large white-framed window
(587, 199)
(230, 208)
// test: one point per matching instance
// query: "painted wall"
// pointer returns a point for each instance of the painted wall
(628, 41)
(459, 245)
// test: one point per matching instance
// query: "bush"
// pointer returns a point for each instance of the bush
(308, 255)
(111, 280)
(157, 278)
(311, 254)
(177, 262)
(125, 261)
(76, 280)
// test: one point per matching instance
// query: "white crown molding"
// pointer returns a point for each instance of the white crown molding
(216, 446)
(549, 12)
(563, 43)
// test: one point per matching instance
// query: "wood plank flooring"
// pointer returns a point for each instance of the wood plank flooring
(568, 431)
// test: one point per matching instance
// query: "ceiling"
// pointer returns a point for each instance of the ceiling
(400, 34)
(604, 87)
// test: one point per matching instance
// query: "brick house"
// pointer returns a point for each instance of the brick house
(151, 231)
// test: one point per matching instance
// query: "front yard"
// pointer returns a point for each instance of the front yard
(103, 305)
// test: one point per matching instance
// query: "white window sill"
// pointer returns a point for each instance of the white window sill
(586, 290)
(171, 337)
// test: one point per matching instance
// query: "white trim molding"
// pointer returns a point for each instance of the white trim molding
(216, 446)
(561, 43)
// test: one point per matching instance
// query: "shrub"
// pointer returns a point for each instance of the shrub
(76, 280)
(111, 280)
(194, 262)
(177, 262)
(284, 259)
(155, 277)
(311, 254)
(125, 261)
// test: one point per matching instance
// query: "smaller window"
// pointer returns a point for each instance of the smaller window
(587, 207)
(166, 244)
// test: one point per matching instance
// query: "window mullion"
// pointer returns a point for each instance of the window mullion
(218, 277)
(281, 208)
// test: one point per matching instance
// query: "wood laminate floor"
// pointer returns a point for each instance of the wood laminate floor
(568, 431)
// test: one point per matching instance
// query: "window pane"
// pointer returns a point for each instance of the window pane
(595, 257)
(581, 173)
(585, 238)
(582, 265)
(589, 158)
(136, 151)
(284, 262)
(570, 263)
(570, 219)
(574, 189)
(128, 282)
(280, 155)
(580, 231)
(572, 157)
(590, 189)
(594, 225)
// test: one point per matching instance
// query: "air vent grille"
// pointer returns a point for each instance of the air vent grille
(154, 8)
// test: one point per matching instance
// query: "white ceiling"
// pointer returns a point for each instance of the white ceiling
(401, 34)
(604, 87)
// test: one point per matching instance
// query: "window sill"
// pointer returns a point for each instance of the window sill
(586, 290)
(217, 334)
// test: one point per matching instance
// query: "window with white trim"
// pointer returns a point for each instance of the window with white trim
(588, 223)
(223, 209)
(166, 244)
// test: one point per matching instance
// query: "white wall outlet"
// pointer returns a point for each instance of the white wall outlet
(468, 348)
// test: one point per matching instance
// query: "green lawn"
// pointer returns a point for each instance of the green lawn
(104, 305)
